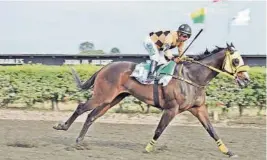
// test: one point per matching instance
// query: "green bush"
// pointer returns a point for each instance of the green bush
(29, 84)
(225, 90)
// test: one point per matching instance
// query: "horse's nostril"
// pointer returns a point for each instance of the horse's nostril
(247, 79)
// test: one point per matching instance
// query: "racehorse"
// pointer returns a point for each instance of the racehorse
(112, 83)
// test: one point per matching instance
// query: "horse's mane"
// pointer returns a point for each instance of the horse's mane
(207, 53)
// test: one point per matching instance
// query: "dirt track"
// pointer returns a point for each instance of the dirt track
(36, 140)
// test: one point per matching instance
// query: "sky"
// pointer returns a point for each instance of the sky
(36, 27)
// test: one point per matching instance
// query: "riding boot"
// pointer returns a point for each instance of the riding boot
(152, 69)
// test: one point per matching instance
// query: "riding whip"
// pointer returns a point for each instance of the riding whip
(191, 42)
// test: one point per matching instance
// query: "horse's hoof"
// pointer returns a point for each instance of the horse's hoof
(78, 140)
(232, 155)
(60, 127)
(149, 149)
(145, 151)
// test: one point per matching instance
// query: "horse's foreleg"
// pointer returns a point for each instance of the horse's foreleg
(202, 114)
(168, 115)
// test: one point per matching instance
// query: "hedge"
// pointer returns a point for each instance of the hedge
(29, 84)
(223, 89)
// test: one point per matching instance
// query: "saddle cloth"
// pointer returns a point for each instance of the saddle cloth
(163, 73)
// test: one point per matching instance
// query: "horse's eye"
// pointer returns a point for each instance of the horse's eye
(235, 62)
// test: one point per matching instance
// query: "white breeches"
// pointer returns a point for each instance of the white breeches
(154, 53)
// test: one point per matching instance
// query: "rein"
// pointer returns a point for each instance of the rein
(214, 69)
(210, 67)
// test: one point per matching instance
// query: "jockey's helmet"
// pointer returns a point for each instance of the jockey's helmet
(185, 29)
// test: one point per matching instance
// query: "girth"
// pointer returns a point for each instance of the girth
(156, 93)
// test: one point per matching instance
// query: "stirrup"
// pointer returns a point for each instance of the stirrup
(151, 76)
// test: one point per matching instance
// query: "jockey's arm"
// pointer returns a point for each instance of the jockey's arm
(180, 49)
(166, 47)
(168, 54)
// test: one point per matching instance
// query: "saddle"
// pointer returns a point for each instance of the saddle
(163, 73)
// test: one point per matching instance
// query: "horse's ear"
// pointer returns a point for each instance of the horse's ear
(232, 45)
(206, 51)
(228, 46)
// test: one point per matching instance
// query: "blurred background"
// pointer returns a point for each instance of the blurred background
(40, 40)
(60, 27)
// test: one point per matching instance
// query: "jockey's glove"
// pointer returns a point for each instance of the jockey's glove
(169, 55)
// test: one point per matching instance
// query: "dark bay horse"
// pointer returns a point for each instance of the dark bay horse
(113, 83)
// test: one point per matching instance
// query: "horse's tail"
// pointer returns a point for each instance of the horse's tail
(86, 85)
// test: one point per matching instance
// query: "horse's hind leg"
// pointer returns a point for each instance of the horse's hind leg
(82, 107)
(98, 112)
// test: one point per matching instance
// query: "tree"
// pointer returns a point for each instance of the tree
(115, 50)
(86, 46)
(93, 52)
(89, 48)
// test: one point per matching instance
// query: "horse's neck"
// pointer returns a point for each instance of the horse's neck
(203, 75)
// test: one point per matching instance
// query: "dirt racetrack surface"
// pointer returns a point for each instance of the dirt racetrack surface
(36, 140)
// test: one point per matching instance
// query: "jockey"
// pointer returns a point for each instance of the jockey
(158, 45)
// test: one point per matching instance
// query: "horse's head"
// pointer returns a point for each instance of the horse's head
(234, 65)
